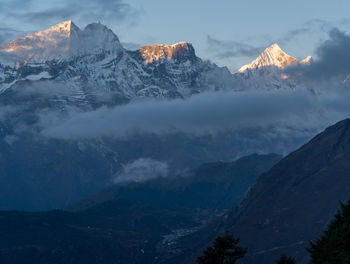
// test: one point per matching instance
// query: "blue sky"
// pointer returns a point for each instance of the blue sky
(228, 32)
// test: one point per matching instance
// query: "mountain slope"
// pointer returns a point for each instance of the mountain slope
(293, 202)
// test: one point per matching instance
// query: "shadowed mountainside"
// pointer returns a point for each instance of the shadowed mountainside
(293, 202)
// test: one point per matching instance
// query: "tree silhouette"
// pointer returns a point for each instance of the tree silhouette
(284, 259)
(223, 251)
(334, 244)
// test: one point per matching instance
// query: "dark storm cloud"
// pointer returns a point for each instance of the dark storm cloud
(333, 59)
(227, 49)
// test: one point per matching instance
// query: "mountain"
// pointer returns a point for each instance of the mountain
(131, 223)
(267, 71)
(293, 202)
(92, 63)
(272, 56)
(61, 42)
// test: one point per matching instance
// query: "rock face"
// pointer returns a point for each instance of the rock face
(156, 53)
(293, 202)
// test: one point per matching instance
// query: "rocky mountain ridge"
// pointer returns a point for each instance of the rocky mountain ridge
(92, 62)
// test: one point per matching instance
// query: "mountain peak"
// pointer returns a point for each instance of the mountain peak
(45, 44)
(271, 56)
(274, 48)
(61, 41)
(307, 60)
(159, 52)
(65, 26)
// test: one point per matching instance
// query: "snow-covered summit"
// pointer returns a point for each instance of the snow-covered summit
(272, 56)
(60, 42)
(267, 71)
(159, 52)
(97, 38)
(307, 60)
(92, 64)
(47, 44)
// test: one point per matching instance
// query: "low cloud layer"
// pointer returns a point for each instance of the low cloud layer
(142, 170)
(202, 114)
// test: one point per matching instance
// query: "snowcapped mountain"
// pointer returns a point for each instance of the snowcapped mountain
(272, 56)
(92, 62)
(267, 71)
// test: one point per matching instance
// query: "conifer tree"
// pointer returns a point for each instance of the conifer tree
(333, 247)
(284, 259)
(223, 251)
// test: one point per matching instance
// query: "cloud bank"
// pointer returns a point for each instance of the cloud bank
(203, 114)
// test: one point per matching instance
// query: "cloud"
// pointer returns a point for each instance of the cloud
(85, 11)
(249, 122)
(8, 33)
(226, 48)
(116, 11)
(203, 114)
(141, 170)
(311, 27)
(7, 110)
(333, 59)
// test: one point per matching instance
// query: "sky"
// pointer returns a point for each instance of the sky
(228, 32)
